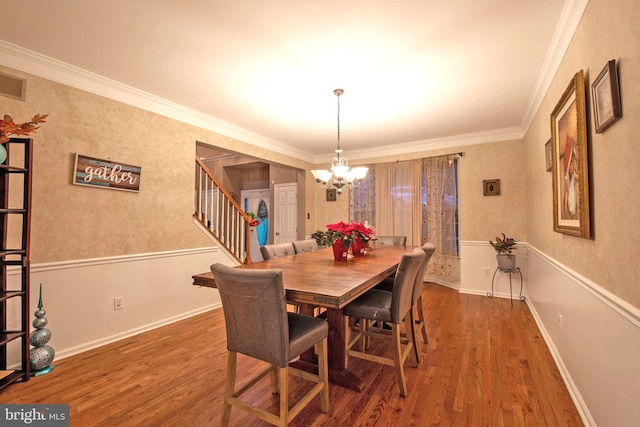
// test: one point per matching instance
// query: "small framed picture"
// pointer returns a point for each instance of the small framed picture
(491, 187)
(547, 155)
(605, 91)
(331, 195)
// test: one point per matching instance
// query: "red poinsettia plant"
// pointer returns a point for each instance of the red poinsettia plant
(9, 128)
(347, 232)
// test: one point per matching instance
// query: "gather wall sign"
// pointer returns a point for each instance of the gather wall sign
(102, 173)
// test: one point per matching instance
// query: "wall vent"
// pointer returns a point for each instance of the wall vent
(11, 86)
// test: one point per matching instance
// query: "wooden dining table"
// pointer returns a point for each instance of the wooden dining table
(314, 279)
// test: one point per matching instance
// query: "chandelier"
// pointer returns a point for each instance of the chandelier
(341, 174)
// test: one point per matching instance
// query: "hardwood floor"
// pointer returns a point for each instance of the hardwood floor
(486, 364)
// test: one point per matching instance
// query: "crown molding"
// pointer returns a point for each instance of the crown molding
(31, 62)
(565, 29)
(498, 135)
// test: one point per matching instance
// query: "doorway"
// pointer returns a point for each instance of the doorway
(285, 225)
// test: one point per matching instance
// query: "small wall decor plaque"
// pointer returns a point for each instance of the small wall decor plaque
(491, 187)
(331, 195)
(607, 107)
(101, 173)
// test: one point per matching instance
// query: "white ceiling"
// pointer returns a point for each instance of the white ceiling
(422, 74)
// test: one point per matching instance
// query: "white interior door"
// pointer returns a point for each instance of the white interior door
(285, 220)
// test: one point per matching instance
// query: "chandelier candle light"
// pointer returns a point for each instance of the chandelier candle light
(340, 174)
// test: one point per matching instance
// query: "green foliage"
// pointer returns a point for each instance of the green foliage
(504, 245)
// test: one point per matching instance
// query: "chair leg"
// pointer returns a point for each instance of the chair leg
(414, 338)
(229, 388)
(422, 325)
(323, 373)
(346, 333)
(274, 379)
(397, 358)
(283, 386)
(364, 338)
(411, 341)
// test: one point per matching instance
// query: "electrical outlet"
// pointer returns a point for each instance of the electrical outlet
(487, 272)
(118, 303)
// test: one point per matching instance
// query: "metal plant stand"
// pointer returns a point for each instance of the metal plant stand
(511, 272)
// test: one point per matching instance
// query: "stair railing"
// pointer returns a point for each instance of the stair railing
(221, 214)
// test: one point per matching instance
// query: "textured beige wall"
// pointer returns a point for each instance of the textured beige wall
(76, 222)
(482, 218)
(608, 30)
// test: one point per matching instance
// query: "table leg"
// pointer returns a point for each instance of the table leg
(337, 372)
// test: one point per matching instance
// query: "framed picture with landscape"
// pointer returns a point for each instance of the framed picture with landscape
(571, 213)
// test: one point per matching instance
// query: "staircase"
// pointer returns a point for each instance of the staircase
(223, 218)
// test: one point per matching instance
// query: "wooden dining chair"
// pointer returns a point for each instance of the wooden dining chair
(277, 250)
(259, 326)
(390, 307)
(302, 246)
(418, 323)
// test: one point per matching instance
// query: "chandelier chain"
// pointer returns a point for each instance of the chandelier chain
(338, 94)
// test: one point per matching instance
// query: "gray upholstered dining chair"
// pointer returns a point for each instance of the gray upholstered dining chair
(277, 250)
(391, 240)
(302, 246)
(259, 326)
(418, 324)
(391, 307)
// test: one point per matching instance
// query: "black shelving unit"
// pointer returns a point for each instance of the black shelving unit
(15, 226)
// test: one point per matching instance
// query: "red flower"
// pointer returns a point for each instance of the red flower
(347, 232)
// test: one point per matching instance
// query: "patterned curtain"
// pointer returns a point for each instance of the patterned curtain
(363, 200)
(440, 213)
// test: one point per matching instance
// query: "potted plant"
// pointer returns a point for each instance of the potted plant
(504, 246)
(320, 237)
(361, 236)
(343, 236)
(339, 238)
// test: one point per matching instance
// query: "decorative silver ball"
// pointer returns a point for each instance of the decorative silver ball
(41, 357)
(39, 322)
(40, 337)
(40, 313)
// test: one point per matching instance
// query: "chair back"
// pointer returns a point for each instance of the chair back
(255, 312)
(391, 240)
(301, 246)
(404, 283)
(428, 249)
(277, 250)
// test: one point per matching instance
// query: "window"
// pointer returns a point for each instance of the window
(418, 199)
(363, 200)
